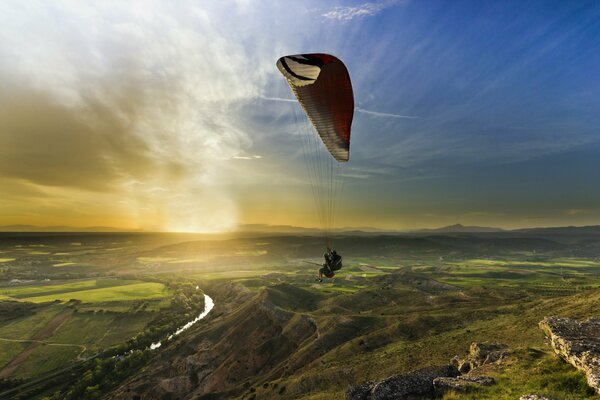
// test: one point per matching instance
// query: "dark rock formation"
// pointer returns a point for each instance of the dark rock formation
(464, 366)
(360, 392)
(434, 381)
(485, 353)
(480, 354)
(460, 383)
(404, 386)
(578, 343)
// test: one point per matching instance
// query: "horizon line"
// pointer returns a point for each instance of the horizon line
(365, 229)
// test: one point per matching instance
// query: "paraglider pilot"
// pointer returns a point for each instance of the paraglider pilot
(333, 262)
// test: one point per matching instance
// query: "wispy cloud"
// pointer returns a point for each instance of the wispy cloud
(277, 99)
(385, 115)
(255, 157)
(359, 11)
(126, 102)
(357, 109)
(581, 211)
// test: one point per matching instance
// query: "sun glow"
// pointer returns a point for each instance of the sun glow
(207, 212)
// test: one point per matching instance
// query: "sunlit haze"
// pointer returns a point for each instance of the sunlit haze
(149, 115)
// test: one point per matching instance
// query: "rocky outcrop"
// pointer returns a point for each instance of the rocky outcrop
(480, 354)
(415, 384)
(485, 353)
(533, 397)
(578, 343)
(460, 383)
(435, 381)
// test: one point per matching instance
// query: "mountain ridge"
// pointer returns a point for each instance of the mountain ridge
(290, 229)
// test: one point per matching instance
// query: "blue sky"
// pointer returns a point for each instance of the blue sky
(505, 101)
(467, 111)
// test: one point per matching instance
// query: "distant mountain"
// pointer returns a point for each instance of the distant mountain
(264, 228)
(59, 228)
(559, 230)
(563, 230)
(289, 229)
(459, 228)
(351, 231)
(18, 228)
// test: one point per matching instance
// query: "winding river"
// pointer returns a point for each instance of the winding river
(208, 306)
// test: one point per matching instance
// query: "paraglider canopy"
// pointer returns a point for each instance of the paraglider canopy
(322, 86)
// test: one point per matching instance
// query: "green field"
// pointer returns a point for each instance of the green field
(63, 264)
(89, 291)
(109, 320)
(25, 328)
(134, 291)
(83, 335)
(22, 329)
(112, 311)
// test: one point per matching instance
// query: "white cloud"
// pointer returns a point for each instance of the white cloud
(385, 115)
(255, 157)
(357, 109)
(362, 10)
(171, 74)
(282, 99)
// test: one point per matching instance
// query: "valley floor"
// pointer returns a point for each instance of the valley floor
(399, 304)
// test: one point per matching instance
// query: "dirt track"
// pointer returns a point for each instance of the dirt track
(42, 334)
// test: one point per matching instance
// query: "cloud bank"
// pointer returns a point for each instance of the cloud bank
(127, 99)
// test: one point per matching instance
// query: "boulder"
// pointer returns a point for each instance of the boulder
(578, 343)
(464, 366)
(403, 386)
(360, 392)
(436, 380)
(455, 361)
(460, 383)
(480, 354)
(485, 353)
